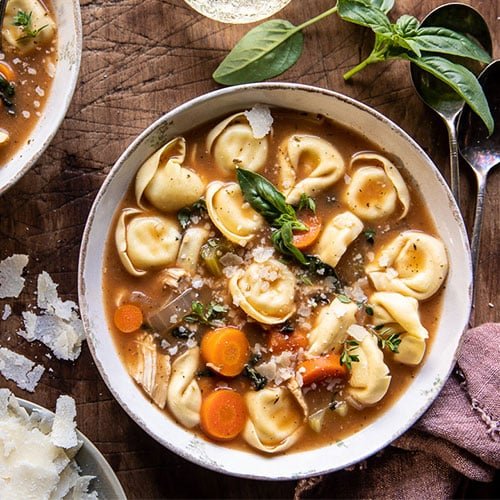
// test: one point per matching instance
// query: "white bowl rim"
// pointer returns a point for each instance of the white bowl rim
(164, 119)
(64, 108)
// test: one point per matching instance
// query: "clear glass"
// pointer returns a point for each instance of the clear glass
(237, 11)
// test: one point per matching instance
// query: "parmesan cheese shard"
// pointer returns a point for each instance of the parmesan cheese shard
(63, 432)
(21, 370)
(7, 311)
(11, 281)
(59, 326)
(32, 467)
(260, 119)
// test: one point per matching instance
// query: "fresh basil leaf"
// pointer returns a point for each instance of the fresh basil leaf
(461, 80)
(364, 14)
(261, 194)
(384, 5)
(282, 239)
(264, 52)
(446, 41)
(406, 25)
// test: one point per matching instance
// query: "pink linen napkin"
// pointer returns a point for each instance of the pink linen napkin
(458, 436)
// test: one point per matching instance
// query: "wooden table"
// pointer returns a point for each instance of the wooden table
(141, 58)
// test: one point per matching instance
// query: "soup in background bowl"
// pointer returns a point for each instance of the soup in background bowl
(318, 421)
(39, 64)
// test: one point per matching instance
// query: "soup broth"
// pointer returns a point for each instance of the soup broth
(330, 343)
(27, 67)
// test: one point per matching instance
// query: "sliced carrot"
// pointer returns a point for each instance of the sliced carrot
(304, 239)
(223, 414)
(7, 72)
(226, 350)
(128, 318)
(317, 369)
(277, 342)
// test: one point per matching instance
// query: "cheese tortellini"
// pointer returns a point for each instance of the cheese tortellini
(370, 376)
(389, 308)
(146, 242)
(165, 182)
(337, 235)
(330, 327)
(374, 190)
(232, 144)
(229, 212)
(413, 264)
(184, 394)
(275, 419)
(41, 24)
(189, 251)
(317, 161)
(265, 291)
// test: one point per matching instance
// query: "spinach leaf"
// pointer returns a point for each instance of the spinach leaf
(364, 14)
(461, 80)
(445, 41)
(264, 52)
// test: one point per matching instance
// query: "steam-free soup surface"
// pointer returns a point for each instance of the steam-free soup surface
(312, 352)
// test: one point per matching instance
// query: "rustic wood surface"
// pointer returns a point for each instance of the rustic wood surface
(141, 58)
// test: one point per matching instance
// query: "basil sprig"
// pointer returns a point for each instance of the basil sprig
(274, 46)
(282, 217)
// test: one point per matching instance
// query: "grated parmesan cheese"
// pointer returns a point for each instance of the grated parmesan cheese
(260, 120)
(7, 311)
(11, 281)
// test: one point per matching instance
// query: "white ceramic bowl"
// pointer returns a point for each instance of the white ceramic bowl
(457, 294)
(91, 463)
(69, 50)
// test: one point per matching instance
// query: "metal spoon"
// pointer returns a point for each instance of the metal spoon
(481, 152)
(3, 6)
(436, 94)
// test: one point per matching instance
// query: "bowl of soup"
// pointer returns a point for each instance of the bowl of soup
(39, 64)
(273, 280)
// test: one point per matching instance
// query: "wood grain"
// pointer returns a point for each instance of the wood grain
(142, 58)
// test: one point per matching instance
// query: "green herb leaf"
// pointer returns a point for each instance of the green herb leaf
(344, 298)
(406, 26)
(347, 358)
(24, 21)
(210, 315)
(388, 337)
(258, 380)
(306, 203)
(446, 41)
(264, 52)
(184, 215)
(7, 92)
(384, 5)
(461, 80)
(366, 14)
(262, 195)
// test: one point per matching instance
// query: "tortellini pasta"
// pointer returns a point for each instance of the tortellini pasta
(165, 182)
(265, 291)
(389, 307)
(227, 209)
(232, 144)
(337, 235)
(146, 242)
(330, 327)
(184, 394)
(414, 264)
(374, 190)
(370, 376)
(316, 160)
(41, 24)
(275, 419)
(189, 251)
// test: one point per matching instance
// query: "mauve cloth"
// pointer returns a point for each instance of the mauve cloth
(458, 436)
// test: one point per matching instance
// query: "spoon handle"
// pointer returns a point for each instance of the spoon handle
(454, 162)
(478, 220)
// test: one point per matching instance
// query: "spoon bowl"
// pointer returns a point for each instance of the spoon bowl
(436, 94)
(480, 151)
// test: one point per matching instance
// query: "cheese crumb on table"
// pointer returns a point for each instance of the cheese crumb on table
(11, 280)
